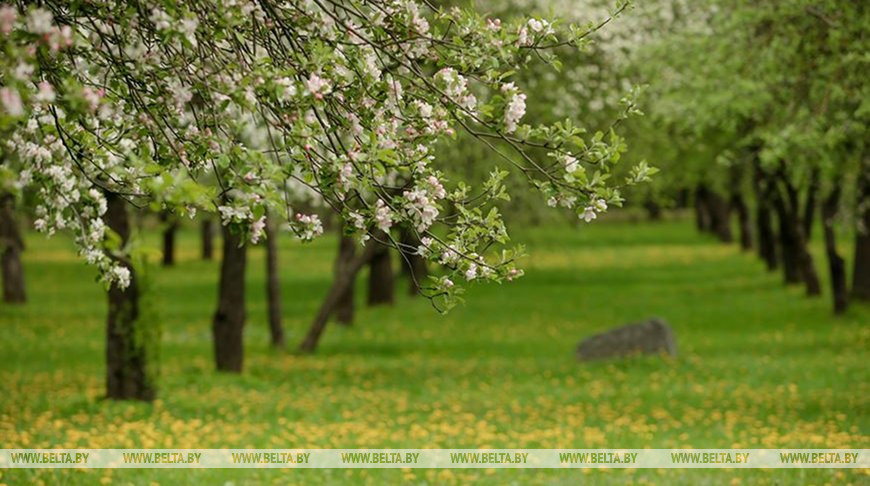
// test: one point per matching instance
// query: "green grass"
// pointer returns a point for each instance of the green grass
(759, 365)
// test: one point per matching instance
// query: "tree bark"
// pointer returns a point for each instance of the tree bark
(207, 234)
(229, 319)
(169, 231)
(11, 246)
(683, 197)
(810, 204)
(743, 219)
(807, 269)
(702, 209)
(127, 376)
(413, 265)
(339, 286)
(273, 285)
(836, 264)
(653, 209)
(763, 218)
(382, 281)
(861, 274)
(720, 219)
(344, 307)
(787, 242)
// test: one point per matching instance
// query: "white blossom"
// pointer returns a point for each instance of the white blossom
(425, 244)
(258, 228)
(312, 227)
(120, 275)
(161, 20)
(45, 93)
(516, 107)
(571, 164)
(39, 21)
(471, 272)
(318, 86)
(600, 205)
(383, 216)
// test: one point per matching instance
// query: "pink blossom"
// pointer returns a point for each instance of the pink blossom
(8, 16)
(383, 216)
(257, 229)
(318, 86)
(11, 101)
(46, 92)
(93, 96)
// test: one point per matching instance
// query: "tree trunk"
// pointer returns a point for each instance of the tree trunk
(229, 319)
(720, 216)
(766, 235)
(339, 286)
(702, 209)
(169, 231)
(413, 265)
(744, 220)
(382, 281)
(127, 376)
(273, 285)
(11, 246)
(836, 264)
(804, 258)
(344, 307)
(810, 204)
(787, 242)
(763, 218)
(808, 268)
(207, 233)
(683, 197)
(861, 275)
(653, 209)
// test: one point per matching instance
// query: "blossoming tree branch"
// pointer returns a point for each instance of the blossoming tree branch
(227, 106)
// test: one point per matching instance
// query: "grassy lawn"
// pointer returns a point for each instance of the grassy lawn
(759, 365)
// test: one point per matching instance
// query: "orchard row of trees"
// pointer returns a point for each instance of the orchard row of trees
(254, 112)
(380, 285)
(761, 110)
(247, 110)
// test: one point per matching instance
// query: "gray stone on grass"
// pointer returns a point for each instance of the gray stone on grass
(654, 336)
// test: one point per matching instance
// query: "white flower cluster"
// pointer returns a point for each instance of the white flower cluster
(383, 216)
(591, 212)
(515, 108)
(258, 229)
(295, 102)
(456, 88)
(318, 86)
(421, 203)
(310, 226)
(11, 100)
